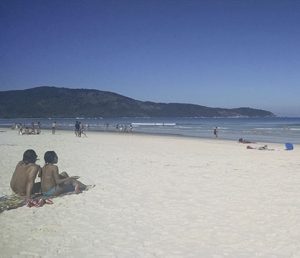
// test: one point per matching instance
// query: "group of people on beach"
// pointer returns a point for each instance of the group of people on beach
(52, 183)
(80, 129)
(124, 128)
(23, 129)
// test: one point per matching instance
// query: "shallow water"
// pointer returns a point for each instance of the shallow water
(280, 130)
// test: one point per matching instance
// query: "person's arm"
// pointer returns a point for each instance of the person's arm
(13, 178)
(30, 181)
(59, 180)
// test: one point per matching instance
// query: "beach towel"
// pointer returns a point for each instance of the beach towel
(289, 146)
(8, 202)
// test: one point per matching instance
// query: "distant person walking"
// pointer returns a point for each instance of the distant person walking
(53, 127)
(77, 129)
(216, 132)
(82, 129)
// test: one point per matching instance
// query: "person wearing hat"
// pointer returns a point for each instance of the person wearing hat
(22, 181)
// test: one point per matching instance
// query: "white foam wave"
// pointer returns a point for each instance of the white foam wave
(153, 124)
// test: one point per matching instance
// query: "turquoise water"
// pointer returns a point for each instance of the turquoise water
(278, 130)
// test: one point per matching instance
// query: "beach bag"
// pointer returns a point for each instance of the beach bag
(289, 146)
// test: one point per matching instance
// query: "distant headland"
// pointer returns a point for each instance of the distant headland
(49, 101)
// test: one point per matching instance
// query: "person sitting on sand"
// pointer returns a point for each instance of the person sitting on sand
(22, 181)
(53, 183)
(53, 127)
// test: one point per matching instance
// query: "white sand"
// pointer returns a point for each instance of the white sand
(157, 197)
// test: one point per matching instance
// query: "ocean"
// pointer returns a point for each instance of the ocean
(275, 129)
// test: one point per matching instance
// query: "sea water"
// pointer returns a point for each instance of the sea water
(275, 129)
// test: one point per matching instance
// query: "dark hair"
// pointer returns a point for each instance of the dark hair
(29, 156)
(50, 156)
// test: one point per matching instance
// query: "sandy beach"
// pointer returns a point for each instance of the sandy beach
(156, 196)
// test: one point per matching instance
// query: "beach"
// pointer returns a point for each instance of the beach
(156, 196)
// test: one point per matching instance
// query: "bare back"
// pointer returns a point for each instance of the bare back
(49, 177)
(23, 178)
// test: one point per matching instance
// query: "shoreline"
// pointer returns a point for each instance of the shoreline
(272, 130)
(170, 135)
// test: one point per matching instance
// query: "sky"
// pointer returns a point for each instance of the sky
(216, 53)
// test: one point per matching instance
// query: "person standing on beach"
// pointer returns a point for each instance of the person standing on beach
(22, 181)
(216, 132)
(21, 129)
(53, 183)
(77, 128)
(38, 129)
(32, 128)
(82, 129)
(53, 127)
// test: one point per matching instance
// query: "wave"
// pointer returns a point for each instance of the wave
(265, 128)
(153, 124)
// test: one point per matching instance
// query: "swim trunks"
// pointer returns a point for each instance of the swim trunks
(67, 188)
(50, 192)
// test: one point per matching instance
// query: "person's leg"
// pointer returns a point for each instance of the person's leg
(71, 185)
(59, 189)
(78, 186)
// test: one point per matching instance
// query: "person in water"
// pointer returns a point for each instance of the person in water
(216, 132)
(53, 183)
(22, 181)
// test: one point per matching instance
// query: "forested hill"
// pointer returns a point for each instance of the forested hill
(62, 102)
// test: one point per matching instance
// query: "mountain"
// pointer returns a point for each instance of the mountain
(62, 102)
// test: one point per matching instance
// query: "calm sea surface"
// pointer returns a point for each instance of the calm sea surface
(278, 130)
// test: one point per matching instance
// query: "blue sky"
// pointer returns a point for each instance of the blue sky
(217, 53)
